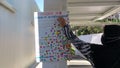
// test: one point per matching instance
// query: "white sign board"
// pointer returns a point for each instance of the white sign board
(52, 40)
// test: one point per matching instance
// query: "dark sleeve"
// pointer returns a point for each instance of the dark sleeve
(82, 46)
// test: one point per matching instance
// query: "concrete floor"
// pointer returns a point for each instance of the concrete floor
(75, 64)
(80, 67)
(78, 64)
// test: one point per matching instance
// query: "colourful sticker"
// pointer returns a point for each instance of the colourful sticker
(53, 43)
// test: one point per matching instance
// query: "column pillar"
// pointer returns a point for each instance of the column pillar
(54, 5)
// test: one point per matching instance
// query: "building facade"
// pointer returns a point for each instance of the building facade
(17, 43)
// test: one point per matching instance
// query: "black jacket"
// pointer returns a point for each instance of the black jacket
(106, 56)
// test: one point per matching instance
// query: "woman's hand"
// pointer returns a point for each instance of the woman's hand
(62, 21)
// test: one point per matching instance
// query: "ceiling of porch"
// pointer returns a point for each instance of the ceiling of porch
(88, 11)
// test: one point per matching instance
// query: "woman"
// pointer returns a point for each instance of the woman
(108, 55)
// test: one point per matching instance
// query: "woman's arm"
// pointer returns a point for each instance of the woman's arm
(82, 46)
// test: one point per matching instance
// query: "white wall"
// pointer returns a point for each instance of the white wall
(17, 48)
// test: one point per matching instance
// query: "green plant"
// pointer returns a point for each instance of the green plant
(83, 30)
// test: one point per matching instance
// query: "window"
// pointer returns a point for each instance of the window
(7, 5)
